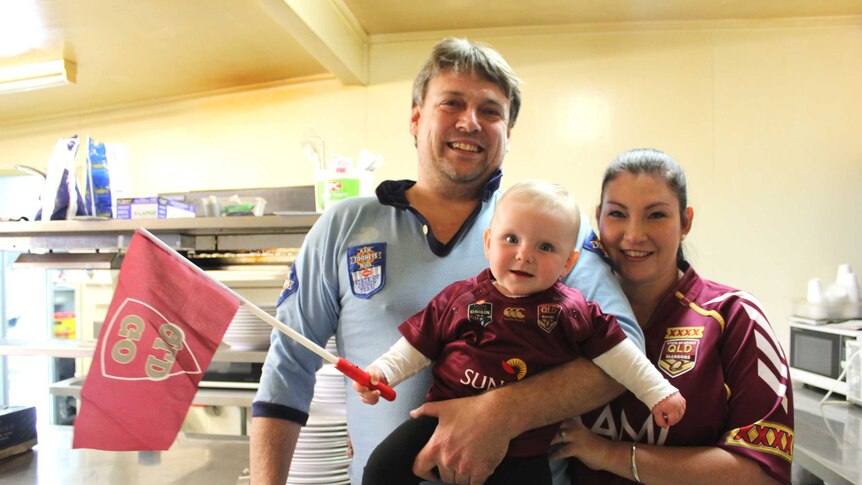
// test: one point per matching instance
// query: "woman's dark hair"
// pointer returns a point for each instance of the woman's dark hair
(651, 162)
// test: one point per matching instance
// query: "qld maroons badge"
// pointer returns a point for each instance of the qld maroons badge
(366, 267)
(549, 314)
(679, 351)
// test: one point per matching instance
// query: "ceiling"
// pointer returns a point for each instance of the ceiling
(133, 52)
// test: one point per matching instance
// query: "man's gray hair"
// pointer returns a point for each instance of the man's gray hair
(470, 57)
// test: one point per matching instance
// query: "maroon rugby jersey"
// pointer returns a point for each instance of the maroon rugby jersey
(480, 339)
(715, 345)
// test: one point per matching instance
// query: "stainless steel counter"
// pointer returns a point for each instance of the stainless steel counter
(82, 348)
(192, 459)
(828, 438)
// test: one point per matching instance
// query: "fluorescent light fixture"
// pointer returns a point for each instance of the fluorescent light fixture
(37, 75)
(20, 28)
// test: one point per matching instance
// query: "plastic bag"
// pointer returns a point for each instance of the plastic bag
(61, 198)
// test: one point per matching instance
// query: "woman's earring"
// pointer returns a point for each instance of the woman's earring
(683, 237)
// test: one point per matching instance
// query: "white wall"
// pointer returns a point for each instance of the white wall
(765, 117)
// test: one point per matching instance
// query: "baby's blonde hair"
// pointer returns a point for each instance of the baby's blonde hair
(545, 195)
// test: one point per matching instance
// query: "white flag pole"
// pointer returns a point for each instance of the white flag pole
(341, 364)
(266, 317)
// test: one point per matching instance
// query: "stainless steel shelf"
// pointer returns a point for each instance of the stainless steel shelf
(199, 233)
(85, 348)
(204, 396)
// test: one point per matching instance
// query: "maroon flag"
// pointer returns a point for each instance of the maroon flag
(163, 326)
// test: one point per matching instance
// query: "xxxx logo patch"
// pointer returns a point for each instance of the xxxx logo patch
(765, 436)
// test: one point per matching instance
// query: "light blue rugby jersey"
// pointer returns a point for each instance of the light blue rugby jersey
(401, 275)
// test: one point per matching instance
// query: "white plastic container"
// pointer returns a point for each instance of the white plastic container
(332, 186)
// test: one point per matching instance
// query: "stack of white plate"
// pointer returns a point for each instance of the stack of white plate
(331, 346)
(321, 453)
(247, 331)
(329, 392)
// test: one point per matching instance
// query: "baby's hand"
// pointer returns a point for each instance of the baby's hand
(669, 410)
(371, 396)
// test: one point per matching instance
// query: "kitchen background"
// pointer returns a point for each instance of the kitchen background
(761, 104)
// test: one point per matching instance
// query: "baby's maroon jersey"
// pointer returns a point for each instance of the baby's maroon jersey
(480, 339)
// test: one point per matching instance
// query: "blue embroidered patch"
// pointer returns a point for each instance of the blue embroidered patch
(290, 286)
(366, 267)
(594, 245)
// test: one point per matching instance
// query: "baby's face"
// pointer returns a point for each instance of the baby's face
(529, 247)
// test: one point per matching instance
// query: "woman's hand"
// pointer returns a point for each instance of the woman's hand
(371, 396)
(575, 440)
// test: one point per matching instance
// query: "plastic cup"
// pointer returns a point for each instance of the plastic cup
(843, 269)
(851, 284)
(815, 291)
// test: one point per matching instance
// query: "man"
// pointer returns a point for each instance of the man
(370, 263)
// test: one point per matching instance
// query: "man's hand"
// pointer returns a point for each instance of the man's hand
(467, 445)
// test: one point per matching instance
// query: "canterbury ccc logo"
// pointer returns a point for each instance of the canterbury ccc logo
(764, 436)
(514, 313)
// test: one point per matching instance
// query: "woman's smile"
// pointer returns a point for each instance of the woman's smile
(633, 255)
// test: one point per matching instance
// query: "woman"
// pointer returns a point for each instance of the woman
(711, 341)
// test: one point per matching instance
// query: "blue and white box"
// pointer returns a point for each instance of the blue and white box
(153, 208)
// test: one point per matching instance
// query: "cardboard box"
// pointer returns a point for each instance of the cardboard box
(17, 430)
(153, 208)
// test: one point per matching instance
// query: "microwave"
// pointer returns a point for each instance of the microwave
(818, 353)
(232, 375)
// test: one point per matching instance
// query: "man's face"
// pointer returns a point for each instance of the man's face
(461, 130)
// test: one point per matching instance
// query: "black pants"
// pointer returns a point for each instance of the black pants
(391, 463)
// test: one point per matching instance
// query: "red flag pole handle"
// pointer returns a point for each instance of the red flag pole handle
(363, 378)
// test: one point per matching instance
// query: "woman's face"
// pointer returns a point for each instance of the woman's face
(640, 227)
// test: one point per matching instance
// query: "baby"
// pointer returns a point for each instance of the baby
(512, 321)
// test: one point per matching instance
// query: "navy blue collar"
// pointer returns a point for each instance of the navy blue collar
(393, 193)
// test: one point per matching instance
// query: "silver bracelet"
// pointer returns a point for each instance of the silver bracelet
(635, 463)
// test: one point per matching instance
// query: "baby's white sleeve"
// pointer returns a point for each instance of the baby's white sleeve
(400, 362)
(630, 367)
